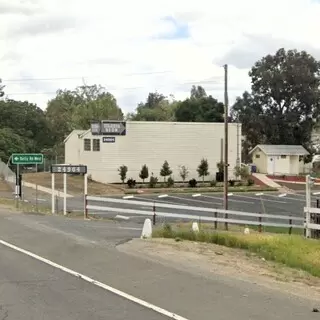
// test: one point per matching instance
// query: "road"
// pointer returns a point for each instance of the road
(33, 290)
(30, 290)
(268, 202)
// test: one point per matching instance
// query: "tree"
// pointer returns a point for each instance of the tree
(242, 171)
(199, 108)
(11, 142)
(184, 172)
(75, 109)
(286, 85)
(28, 121)
(144, 173)
(156, 108)
(203, 168)
(123, 170)
(165, 170)
(1, 89)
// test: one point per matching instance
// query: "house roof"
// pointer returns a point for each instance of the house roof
(281, 149)
(74, 132)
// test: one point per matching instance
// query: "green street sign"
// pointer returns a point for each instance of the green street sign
(27, 158)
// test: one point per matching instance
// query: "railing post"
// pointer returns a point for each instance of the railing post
(216, 222)
(290, 228)
(154, 213)
(85, 206)
(260, 221)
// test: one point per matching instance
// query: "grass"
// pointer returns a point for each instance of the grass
(24, 206)
(203, 190)
(291, 250)
(74, 184)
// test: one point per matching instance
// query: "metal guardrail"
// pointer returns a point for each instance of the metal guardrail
(210, 218)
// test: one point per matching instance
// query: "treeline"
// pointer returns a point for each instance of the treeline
(282, 107)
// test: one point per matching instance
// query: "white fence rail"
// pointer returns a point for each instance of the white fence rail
(102, 205)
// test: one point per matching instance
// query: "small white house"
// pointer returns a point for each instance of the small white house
(278, 159)
(151, 143)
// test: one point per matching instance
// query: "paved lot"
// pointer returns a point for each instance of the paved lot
(30, 289)
(270, 203)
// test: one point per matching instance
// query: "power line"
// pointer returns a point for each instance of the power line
(81, 77)
(129, 88)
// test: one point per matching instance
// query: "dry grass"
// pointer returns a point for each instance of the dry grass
(74, 184)
(293, 251)
(4, 186)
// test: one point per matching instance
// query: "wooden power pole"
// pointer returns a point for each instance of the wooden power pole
(226, 165)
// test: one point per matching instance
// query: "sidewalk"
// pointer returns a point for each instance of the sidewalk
(270, 183)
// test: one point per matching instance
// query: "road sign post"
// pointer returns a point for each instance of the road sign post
(66, 169)
(24, 158)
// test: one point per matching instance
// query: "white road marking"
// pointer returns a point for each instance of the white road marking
(128, 228)
(128, 197)
(231, 200)
(119, 293)
(194, 200)
(259, 199)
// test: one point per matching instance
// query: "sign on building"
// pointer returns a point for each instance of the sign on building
(71, 169)
(108, 127)
(108, 139)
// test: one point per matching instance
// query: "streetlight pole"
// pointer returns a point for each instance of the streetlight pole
(226, 165)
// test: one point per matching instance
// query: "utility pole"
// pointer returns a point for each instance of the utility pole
(226, 141)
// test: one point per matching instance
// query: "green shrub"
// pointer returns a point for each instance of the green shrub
(193, 183)
(170, 182)
(153, 182)
(131, 183)
(250, 182)
(213, 183)
(232, 183)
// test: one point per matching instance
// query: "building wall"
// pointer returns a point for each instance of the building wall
(72, 147)
(152, 143)
(260, 160)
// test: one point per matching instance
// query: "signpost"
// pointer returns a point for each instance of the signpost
(27, 158)
(68, 169)
(24, 158)
(109, 127)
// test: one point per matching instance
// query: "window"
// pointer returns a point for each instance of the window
(87, 145)
(96, 145)
(257, 156)
(283, 157)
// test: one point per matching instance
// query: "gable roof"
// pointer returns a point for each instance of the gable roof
(72, 133)
(281, 149)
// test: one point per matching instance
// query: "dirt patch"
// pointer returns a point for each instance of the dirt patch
(5, 186)
(74, 184)
(212, 259)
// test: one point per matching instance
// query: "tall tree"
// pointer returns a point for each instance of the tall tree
(156, 108)
(77, 108)
(28, 121)
(286, 85)
(199, 108)
(1, 89)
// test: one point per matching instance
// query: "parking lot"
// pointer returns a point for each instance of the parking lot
(268, 203)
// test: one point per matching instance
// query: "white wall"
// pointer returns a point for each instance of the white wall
(152, 143)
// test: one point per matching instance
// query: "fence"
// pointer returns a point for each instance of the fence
(212, 214)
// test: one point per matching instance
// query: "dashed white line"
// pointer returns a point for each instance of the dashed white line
(104, 286)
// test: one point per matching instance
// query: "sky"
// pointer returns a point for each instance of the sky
(133, 47)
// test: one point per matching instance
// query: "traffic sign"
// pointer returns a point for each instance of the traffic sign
(108, 127)
(70, 169)
(27, 158)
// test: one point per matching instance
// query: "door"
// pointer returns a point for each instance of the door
(271, 165)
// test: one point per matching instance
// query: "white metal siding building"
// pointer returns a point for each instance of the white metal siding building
(151, 143)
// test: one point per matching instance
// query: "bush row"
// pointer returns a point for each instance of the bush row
(166, 172)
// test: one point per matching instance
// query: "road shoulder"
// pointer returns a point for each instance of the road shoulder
(211, 260)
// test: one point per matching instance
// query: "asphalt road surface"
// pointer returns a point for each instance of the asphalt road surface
(270, 203)
(30, 289)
